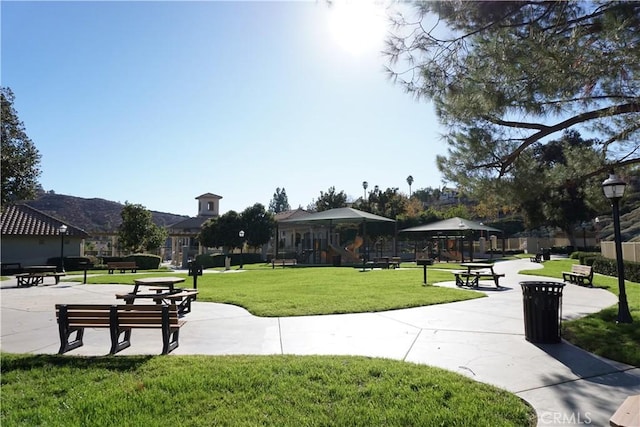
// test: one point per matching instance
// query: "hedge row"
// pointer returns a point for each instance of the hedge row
(73, 262)
(212, 261)
(143, 261)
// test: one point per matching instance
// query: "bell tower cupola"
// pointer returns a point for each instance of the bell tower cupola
(208, 205)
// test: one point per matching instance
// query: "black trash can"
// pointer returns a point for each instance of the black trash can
(542, 304)
(546, 254)
(337, 260)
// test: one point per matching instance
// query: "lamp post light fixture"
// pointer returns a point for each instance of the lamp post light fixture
(241, 235)
(62, 230)
(613, 188)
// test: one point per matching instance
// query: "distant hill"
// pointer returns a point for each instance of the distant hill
(92, 215)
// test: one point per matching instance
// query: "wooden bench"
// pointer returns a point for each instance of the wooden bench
(628, 414)
(123, 266)
(120, 320)
(579, 274)
(394, 262)
(284, 262)
(35, 279)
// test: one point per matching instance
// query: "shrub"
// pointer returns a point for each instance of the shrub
(211, 261)
(609, 267)
(145, 261)
(73, 262)
(106, 259)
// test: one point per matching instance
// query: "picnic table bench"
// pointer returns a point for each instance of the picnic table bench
(34, 275)
(474, 273)
(9, 268)
(161, 295)
(579, 275)
(123, 266)
(120, 320)
(162, 290)
(284, 262)
(381, 262)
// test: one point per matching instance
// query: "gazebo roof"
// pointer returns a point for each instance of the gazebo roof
(338, 216)
(455, 224)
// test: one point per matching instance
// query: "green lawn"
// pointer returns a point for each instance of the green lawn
(247, 391)
(599, 333)
(308, 291)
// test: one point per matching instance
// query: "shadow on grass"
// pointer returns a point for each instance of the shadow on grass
(12, 362)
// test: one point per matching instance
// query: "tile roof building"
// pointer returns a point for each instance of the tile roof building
(31, 237)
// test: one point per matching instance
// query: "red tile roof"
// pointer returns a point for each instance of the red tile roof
(23, 220)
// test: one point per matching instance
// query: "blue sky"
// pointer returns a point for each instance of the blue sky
(158, 102)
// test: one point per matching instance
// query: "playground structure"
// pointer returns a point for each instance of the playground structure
(349, 253)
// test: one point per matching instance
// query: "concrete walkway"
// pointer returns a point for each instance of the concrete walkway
(482, 339)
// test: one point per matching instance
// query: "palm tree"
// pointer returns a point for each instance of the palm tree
(365, 184)
(409, 181)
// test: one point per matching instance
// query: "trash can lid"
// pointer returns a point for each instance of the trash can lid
(541, 283)
(533, 287)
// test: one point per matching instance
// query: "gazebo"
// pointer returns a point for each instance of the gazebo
(453, 228)
(338, 216)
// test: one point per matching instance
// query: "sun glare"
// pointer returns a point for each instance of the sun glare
(357, 26)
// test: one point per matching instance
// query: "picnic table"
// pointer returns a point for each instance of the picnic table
(164, 281)
(475, 271)
(164, 291)
(34, 275)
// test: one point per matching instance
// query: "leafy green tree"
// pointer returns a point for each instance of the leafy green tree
(330, 200)
(460, 210)
(427, 195)
(137, 231)
(549, 187)
(222, 232)
(258, 225)
(279, 202)
(388, 203)
(209, 235)
(504, 76)
(20, 161)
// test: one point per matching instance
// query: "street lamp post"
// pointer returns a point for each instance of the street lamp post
(613, 188)
(584, 235)
(241, 235)
(62, 230)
